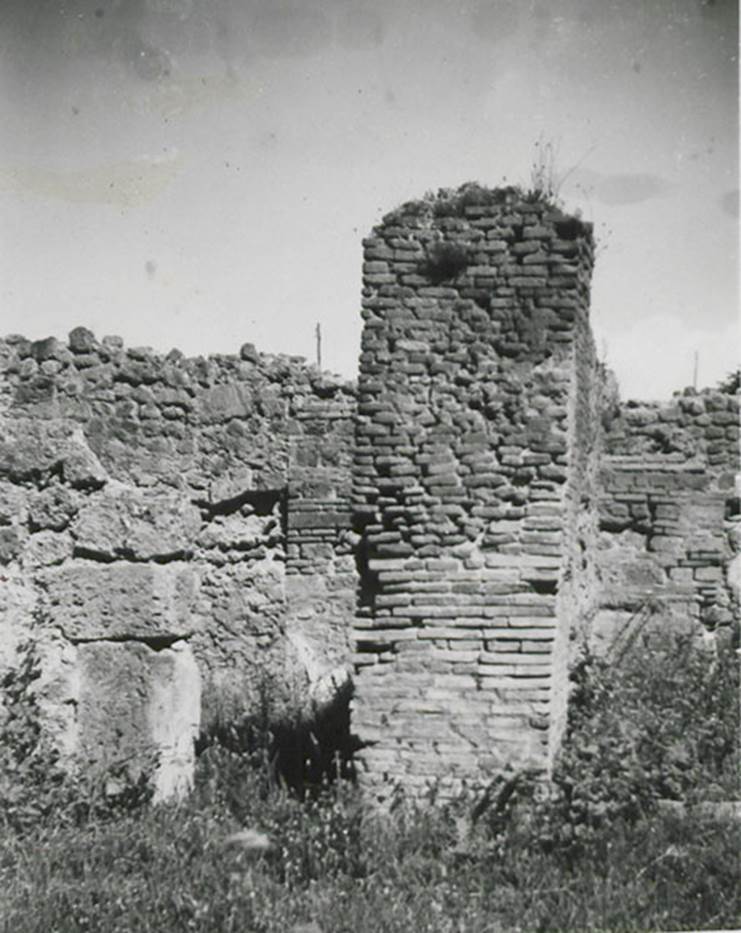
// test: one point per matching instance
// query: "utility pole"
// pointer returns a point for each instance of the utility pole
(319, 346)
(694, 374)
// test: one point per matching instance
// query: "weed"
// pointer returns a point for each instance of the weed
(545, 184)
(651, 723)
(445, 260)
(291, 743)
(35, 784)
(731, 385)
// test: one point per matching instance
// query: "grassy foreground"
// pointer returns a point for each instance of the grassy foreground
(172, 868)
(598, 853)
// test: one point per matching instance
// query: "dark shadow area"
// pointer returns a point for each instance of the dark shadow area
(301, 753)
(262, 501)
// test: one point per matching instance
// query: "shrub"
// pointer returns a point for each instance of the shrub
(731, 385)
(445, 260)
(35, 785)
(293, 744)
(652, 724)
(32, 781)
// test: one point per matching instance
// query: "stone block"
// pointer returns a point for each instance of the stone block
(80, 466)
(47, 548)
(709, 574)
(121, 600)
(13, 504)
(38, 397)
(11, 543)
(81, 340)
(124, 521)
(666, 543)
(53, 508)
(45, 349)
(32, 449)
(309, 520)
(18, 602)
(248, 353)
(222, 402)
(139, 708)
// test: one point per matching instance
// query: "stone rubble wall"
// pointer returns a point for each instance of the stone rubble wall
(475, 458)
(161, 521)
(668, 504)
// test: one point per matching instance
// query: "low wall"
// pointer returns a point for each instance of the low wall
(668, 501)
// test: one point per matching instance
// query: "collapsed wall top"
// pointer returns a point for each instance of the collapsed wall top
(217, 424)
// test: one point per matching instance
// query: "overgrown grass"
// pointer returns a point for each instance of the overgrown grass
(173, 869)
(596, 853)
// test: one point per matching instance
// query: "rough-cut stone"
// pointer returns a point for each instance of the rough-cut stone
(92, 601)
(81, 340)
(174, 717)
(248, 352)
(231, 486)
(52, 508)
(46, 548)
(31, 451)
(137, 524)
(223, 402)
(13, 504)
(11, 543)
(139, 708)
(18, 603)
(80, 467)
(44, 350)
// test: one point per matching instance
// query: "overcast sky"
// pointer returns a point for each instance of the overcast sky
(200, 173)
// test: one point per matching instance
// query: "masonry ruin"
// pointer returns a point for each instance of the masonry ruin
(175, 538)
(179, 535)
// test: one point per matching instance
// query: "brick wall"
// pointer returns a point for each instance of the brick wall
(474, 458)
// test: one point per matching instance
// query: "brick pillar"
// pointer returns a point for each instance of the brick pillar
(474, 461)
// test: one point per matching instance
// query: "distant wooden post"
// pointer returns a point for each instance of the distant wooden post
(319, 346)
(694, 374)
